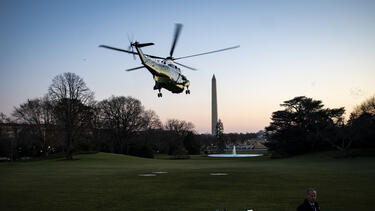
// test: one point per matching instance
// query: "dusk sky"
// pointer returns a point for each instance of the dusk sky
(320, 49)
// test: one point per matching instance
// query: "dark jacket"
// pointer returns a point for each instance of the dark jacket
(305, 206)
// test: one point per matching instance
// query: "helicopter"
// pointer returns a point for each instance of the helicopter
(165, 71)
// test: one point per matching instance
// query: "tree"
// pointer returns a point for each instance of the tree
(5, 142)
(152, 130)
(37, 114)
(303, 126)
(4, 118)
(234, 138)
(178, 130)
(335, 131)
(124, 116)
(152, 120)
(140, 144)
(9, 137)
(219, 135)
(191, 144)
(71, 99)
(206, 142)
(366, 107)
(179, 127)
(362, 124)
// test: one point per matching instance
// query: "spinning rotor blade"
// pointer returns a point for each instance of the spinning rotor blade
(155, 57)
(175, 38)
(200, 54)
(118, 49)
(130, 45)
(135, 68)
(186, 66)
(130, 38)
(130, 52)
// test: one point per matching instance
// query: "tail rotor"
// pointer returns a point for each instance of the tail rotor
(131, 48)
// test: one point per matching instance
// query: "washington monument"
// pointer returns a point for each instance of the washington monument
(214, 105)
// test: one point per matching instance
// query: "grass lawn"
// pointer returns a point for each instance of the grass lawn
(105, 181)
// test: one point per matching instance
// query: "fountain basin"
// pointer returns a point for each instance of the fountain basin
(234, 155)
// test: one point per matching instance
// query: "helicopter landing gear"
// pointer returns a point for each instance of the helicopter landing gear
(160, 94)
(187, 91)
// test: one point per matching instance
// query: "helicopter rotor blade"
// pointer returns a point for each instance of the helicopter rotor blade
(175, 38)
(117, 49)
(215, 51)
(135, 68)
(130, 48)
(155, 57)
(130, 38)
(128, 51)
(191, 68)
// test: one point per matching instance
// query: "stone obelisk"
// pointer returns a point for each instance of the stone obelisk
(213, 105)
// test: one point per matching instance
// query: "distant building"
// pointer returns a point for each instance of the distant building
(260, 134)
(10, 130)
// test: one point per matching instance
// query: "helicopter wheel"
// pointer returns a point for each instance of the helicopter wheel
(160, 94)
(187, 91)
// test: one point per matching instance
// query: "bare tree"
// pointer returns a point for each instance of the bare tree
(362, 123)
(37, 114)
(179, 127)
(4, 118)
(178, 130)
(9, 135)
(366, 107)
(6, 149)
(124, 116)
(152, 120)
(72, 100)
(70, 86)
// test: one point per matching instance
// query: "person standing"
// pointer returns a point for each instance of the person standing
(310, 203)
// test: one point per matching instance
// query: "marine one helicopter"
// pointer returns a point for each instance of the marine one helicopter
(165, 71)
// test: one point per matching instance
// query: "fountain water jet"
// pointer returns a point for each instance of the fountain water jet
(234, 154)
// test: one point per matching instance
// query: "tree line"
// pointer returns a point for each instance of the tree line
(68, 119)
(304, 125)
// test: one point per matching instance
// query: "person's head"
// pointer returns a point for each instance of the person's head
(311, 195)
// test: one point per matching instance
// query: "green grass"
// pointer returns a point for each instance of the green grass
(110, 182)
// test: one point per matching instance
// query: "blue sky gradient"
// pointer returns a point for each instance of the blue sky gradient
(320, 49)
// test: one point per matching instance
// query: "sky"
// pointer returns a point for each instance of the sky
(321, 49)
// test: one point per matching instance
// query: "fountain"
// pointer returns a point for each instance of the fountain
(234, 154)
